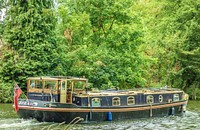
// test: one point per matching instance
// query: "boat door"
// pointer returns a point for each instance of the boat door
(69, 91)
(63, 92)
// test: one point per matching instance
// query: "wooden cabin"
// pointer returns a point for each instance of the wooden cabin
(55, 89)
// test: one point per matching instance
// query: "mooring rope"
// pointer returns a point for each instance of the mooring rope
(51, 126)
(59, 125)
(72, 122)
(70, 126)
(48, 127)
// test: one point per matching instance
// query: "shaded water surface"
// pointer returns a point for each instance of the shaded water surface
(189, 121)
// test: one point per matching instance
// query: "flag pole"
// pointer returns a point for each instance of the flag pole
(22, 91)
(17, 93)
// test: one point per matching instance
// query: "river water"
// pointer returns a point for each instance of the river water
(189, 121)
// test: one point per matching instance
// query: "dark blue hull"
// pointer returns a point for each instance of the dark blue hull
(57, 112)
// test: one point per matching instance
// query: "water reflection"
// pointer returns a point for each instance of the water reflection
(9, 120)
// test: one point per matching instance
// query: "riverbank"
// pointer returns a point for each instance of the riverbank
(9, 120)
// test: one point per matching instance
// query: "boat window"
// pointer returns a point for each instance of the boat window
(69, 85)
(116, 101)
(131, 100)
(176, 97)
(50, 84)
(63, 85)
(160, 98)
(150, 99)
(32, 84)
(96, 102)
(36, 84)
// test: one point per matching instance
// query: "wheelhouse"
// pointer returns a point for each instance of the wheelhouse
(55, 89)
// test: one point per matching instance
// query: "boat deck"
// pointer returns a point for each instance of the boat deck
(112, 92)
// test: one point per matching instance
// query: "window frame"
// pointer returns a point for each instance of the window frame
(35, 84)
(160, 98)
(150, 98)
(176, 97)
(96, 102)
(116, 101)
(133, 100)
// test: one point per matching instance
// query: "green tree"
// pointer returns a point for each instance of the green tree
(104, 42)
(29, 33)
(172, 41)
(187, 23)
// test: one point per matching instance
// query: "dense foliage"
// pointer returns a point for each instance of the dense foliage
(112, 43)
(103, 43)
(30, 42)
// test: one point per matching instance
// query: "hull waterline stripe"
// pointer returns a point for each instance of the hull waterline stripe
(100, 109)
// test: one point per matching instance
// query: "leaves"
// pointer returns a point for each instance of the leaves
(113, 43)
(29, 32)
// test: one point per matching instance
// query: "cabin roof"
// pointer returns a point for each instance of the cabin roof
(132, 92)
(57, 78)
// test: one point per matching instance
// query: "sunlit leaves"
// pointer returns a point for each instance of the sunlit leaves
(109, 44)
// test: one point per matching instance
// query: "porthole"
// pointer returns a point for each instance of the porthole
(116, 101)
(96, 102)
(150, 99)
(176, 97)
(131, 100)
(160, 98)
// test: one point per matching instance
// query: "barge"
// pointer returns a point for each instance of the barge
(65, 99)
